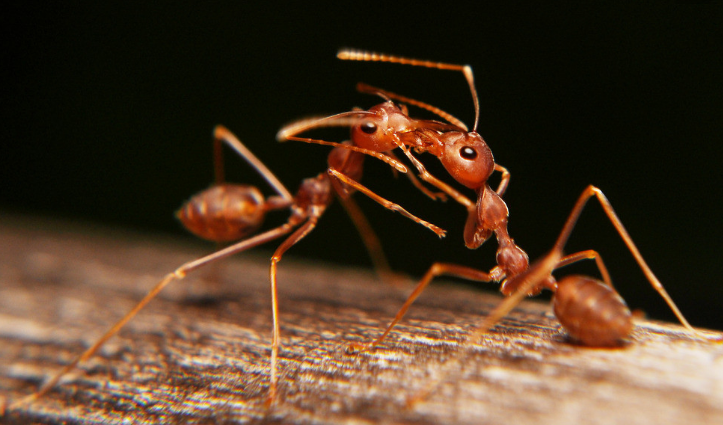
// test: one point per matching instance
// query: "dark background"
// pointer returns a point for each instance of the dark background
(108, 111)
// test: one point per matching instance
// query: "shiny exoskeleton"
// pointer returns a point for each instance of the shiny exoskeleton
(231, 212)
(591, 311)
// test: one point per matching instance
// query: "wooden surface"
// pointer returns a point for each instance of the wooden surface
(199, 353)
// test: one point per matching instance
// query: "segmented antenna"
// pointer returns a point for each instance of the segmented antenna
(366, 56)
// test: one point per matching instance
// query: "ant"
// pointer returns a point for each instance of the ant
(231, 212)
(590, 310)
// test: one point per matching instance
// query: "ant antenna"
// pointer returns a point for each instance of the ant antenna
(387, 95)
(344, 119)
(366, 56)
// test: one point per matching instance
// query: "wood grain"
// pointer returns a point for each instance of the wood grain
(199, 353)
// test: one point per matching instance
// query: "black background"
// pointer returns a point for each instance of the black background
(108, 111)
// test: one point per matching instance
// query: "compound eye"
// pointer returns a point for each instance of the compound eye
(368, 127)
(468, 153)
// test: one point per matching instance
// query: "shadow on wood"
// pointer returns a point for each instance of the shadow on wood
(199, 353)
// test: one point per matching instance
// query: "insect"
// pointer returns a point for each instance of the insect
(231, 212)
(589, 309)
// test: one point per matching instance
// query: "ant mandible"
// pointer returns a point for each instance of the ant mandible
(229, 212)
(590, 310)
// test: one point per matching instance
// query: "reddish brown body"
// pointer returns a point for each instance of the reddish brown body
(232, 212)
(229, 212)
(591, 311)
(224, 213)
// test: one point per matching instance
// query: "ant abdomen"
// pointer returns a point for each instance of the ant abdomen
(591, 311)
(224, 213)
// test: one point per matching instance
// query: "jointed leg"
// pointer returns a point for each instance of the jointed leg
(543, 268)
(379, 155)
(589, 254)
(178, 274)
(418, 184)
(385, 203)
(222, 134)
(299, 234)
(537, 273)
(434, 271)
(504, 180)
(370, 239)
(591, 191)
(429, 178)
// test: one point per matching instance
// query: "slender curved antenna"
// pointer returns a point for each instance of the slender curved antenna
(366, 88)
(366, 56)
(305, 124)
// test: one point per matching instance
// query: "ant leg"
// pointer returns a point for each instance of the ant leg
(218, 164)
(178, 274)
(434, 271)
(288, 133)
(370, 240)
(415, 181)
(390, 159)
(504, 180)
(429, 178)
(589, 254)
(591, 191)
(222, 134)
(299, 234)
(537, 272)
(544, 267)
(385, 203)
(378, 155)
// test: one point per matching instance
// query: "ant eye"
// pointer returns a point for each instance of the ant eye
(468, 153)
(368, 127)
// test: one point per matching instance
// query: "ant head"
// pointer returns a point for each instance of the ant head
(467, 158)
(377, 131)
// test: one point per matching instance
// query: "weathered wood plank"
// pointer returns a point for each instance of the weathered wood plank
(199, 353)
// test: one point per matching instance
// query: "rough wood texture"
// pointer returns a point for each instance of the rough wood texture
(199, 353)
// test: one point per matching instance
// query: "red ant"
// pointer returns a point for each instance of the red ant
(229, 212)
(590, 310)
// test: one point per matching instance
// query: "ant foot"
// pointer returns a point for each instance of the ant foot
(357, 348)
(438, 230)
(270, 397)
(439, 196)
